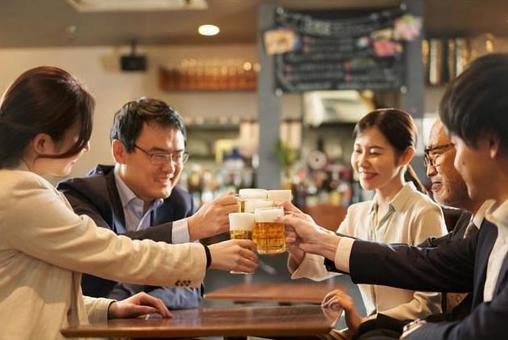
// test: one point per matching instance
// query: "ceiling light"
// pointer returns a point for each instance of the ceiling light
(208, 30)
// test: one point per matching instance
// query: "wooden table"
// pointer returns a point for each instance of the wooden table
(273, 291)
(276, 321)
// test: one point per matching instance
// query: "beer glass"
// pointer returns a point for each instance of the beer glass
(280, 195)
(269, 235)
(250, 205)
(250, 193)
(240, 227)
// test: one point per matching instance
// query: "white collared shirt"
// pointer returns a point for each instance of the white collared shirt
(498, 216)
(412, 218)
(138, 219)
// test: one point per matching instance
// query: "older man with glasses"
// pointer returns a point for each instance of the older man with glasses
(138, 196)
(449, 190)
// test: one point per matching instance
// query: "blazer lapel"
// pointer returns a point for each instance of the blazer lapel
(116, 203)
(486, 239)
(501, 280)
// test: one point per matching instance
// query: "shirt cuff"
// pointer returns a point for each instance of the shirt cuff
(343, 253)
(311, 268)
(180, 231)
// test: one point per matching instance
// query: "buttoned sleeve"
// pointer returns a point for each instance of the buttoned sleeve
(97, 308)
(37, 221)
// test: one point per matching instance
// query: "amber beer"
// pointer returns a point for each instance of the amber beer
(269, 235)
(241, 225)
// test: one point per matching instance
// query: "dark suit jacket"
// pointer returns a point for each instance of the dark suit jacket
(457, 266)
(456, 234)
(462, 309)
(97, 196)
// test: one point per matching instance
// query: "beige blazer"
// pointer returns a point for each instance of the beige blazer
(44, 248)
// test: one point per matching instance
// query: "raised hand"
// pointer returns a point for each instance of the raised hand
(337, 300)
(308, 236)
(136, 305)
(212, 218)
(290, 208)
(296, 254)
(234, 255)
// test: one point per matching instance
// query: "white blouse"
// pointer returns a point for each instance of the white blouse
(412, 218)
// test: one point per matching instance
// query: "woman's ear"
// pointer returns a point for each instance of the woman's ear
(407, 156)
(43, 144)
(118, 151)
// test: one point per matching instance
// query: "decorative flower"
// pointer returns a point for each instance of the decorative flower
(407, 27)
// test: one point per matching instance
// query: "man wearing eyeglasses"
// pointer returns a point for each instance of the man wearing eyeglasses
(447, 186)
(138, 196)
(450, 190)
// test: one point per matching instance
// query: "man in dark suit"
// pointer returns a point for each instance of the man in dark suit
(474, 112)
(137, 196)
(449, 190)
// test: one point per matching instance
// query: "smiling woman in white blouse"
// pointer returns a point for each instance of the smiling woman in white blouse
(384, 145)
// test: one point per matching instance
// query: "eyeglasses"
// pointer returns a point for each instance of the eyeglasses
(162, 158)
(431, 154)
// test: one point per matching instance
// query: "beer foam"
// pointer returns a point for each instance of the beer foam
(264, 215)
(241, 221)
(280, 195)
(252, 204)
(252, 193)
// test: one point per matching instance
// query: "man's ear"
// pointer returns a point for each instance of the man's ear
(118, 150)
(494, 146)
(407, 155)
(43, 144)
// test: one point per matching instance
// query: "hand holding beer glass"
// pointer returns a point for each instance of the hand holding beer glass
(240, 227)
(256, 206)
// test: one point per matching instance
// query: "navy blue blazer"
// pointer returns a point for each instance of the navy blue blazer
(97, 196)
(455, 266)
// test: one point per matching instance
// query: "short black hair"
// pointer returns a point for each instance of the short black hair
(47, 100)
(129, 120)
(476, 102)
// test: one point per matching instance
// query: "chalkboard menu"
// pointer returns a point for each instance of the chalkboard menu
(331, 53)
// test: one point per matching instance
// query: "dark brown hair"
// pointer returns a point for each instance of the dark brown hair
(399, 129)
(476, 102)
(128, 121)
(43, 100)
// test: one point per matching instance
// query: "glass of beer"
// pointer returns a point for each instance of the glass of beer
(240, 227)
(269, 235)
(250, 205)
(250, 193)
(280, 195)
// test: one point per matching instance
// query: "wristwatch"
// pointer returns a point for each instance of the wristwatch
(411, 328)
